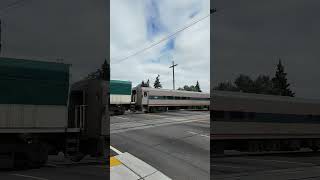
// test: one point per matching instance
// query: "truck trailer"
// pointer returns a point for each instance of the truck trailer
(120, 96)
(41, 114)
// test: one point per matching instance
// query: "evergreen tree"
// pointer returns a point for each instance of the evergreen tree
(262, 85)
(157, 83)
(145, 84)
(105, 71)
(244, 83)
(197, 87)
(280, 86)
(189, 88)
(226, 86)
(148, 83)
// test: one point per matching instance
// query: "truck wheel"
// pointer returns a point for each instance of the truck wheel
(37, 155)
(77, 157)
(20, 160)
(315, 149)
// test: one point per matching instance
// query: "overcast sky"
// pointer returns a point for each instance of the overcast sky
(137, 24)
(249, 36)
(75, 30)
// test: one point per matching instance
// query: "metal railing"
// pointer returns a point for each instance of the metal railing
(80, 116)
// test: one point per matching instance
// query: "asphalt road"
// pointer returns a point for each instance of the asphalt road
(176, 143)
(61, 170)
(277, 166)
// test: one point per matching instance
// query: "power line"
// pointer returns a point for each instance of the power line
(14, 4)
(11, 5)
(163, 39)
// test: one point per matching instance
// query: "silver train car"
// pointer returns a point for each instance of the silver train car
(255, 122)
(152, 99)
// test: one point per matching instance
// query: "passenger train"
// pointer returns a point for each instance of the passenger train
(256, 122)
(123, 97)
(153, 99)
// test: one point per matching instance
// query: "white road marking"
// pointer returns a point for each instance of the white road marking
(115, 150)
(155, 115)
(282, 161)
(27, 176)
(52, 165)
(199, 134)
(153, 125)
(223, 166)
(99, 166)
(120, 117)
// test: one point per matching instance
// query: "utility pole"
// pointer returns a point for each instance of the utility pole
(173, 65)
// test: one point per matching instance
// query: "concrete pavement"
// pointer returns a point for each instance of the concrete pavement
(59, 168)
(282, 166)
(176, 143)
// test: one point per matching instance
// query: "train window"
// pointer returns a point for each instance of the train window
(169, 97)
(157, 97)
(177, 97)
(252, 115)
(218, 114)
(237, 115)
(145, 94)
(183, 98)
(309, 116)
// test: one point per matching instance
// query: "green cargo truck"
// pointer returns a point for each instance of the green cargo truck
(40, 114)
(120, 96)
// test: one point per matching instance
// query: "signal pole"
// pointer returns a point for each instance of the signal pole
(173, 65)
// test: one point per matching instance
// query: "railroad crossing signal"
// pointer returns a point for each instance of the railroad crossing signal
(173, 65)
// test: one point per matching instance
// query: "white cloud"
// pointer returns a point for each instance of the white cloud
(192, 46)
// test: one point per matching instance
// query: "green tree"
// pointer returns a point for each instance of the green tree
(197, 87)
(262, 85)
(143, 84)
(105, 71)
(148, 83)
(244, 83)
(226, 86)
(280, 85)
(102, 73)
(189, 88)
(157, 83)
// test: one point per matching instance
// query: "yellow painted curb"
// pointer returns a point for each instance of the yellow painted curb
(114, 161)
